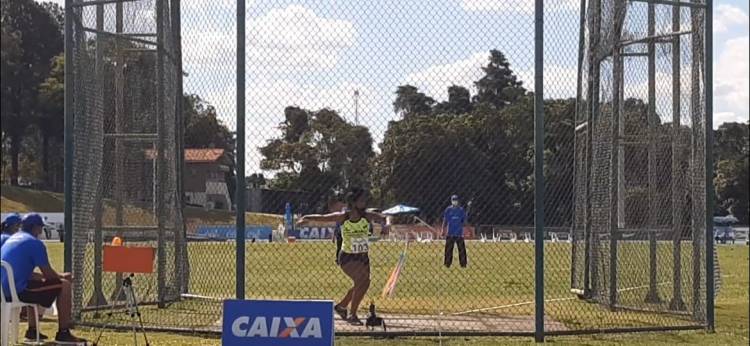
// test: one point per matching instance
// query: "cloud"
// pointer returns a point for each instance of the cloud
(282, 40)
(208, 48)
(731, 84)
(559, 81)
(728, 117)
(517, 6)
(212, 5)
(728, 16)
(268, 98)
(732, 80)
(435, 80)
(296, 37)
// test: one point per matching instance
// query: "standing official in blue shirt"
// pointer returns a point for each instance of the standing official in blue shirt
(454, 218)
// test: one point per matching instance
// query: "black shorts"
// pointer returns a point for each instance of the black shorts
(345, 258)
(41, 292)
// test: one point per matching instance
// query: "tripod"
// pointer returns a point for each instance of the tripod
(131, 309)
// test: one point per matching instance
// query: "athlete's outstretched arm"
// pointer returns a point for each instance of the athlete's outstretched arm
(332, 217)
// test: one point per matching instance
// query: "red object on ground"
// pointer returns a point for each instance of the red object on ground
(126, 259)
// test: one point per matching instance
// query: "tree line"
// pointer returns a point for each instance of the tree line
(478, 146)
(481, 147)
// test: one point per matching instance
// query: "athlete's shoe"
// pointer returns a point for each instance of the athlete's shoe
(341, 310)
(354, 321)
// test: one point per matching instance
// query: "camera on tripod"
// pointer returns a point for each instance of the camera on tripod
(124, 259)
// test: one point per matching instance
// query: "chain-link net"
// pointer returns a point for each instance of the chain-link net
(414, 102)
(127, 153)
(639, 224)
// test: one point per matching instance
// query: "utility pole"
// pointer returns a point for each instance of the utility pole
(356, 106)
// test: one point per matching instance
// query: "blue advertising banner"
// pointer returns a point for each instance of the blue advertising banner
(311, 233)
(226, 232)
(277, 322)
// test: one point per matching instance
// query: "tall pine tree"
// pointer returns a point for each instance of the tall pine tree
(499, 86)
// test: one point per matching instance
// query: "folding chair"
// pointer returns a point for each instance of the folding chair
(11, 310)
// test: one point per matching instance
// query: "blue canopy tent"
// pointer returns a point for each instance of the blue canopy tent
(725, 220)
(401, 209)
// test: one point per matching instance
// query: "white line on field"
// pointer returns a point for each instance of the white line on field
(546, 301)
(510, 306)
(196, 296)
(640, 287)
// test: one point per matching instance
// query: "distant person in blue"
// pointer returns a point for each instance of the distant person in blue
(10, 225)
(288, 217)
(25, 252)
(453, 231)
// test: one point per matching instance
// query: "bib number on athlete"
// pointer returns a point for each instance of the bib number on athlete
(360, 245)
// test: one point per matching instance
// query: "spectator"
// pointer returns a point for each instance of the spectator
(24, 252)
(10, 225)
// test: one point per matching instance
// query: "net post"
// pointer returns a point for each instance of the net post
(576, 169)
(708, 123)
(119, 161)
(97, 297)
(616, 164)
(677, 303)
(181, 250)
(68, 140)
(696, 171)
(119, 117)
(240, 176)
(79, 102)
(592, 240)
(614, 173)
(161, 168)
(539, 171)
(653, 295)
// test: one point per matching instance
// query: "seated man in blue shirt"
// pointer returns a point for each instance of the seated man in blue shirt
(454, 218)
(24, 252)
(10, 225)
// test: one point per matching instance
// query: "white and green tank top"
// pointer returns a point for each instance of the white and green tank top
(355, 236)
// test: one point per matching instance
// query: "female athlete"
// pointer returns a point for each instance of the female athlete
(352, 249)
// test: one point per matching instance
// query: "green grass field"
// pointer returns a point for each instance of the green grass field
(499, 274)
(498, 282)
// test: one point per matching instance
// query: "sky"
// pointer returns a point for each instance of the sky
(316, 54)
